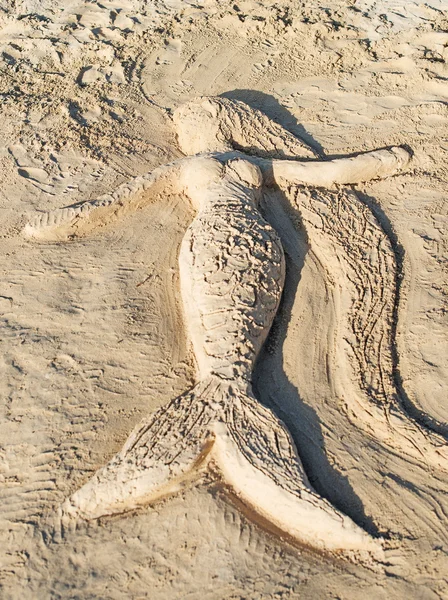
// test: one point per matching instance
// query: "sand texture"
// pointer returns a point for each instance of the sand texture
(223, 300)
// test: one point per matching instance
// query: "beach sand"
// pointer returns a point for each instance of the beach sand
(93, 336)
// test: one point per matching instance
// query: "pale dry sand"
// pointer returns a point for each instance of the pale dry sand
(93, 336)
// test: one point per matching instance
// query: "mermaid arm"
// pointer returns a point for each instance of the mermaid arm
(356, 169)
(79, 219)
(221, 125)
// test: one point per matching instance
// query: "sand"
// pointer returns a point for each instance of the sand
(94, 335)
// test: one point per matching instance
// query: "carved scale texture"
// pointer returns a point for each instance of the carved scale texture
(232, 269)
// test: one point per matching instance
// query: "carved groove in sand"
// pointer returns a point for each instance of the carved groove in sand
(232, 274)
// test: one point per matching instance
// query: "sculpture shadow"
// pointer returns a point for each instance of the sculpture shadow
(271, 107)
(322, 475)
(270, 379)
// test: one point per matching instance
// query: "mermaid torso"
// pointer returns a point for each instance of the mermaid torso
(232, 275)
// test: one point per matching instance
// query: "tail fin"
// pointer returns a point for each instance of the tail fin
(220, 425)
(259, 461)
(161, 454)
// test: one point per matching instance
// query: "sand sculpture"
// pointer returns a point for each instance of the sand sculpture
(232, 271)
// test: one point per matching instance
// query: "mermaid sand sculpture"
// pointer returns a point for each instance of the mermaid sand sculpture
(232, 271)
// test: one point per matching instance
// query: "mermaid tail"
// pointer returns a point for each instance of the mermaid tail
(218, 428)
(160, 456)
